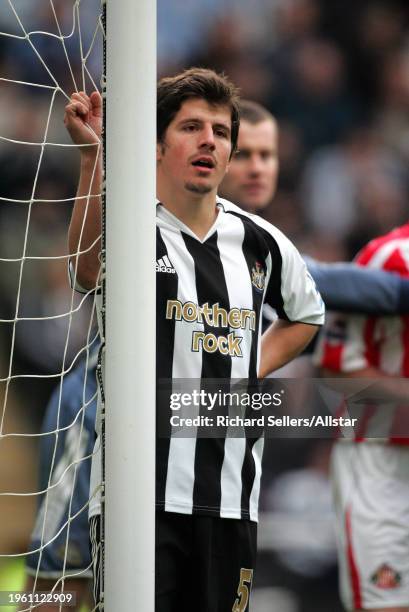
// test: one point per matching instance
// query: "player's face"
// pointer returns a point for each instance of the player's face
(252, 178)
(196, 149)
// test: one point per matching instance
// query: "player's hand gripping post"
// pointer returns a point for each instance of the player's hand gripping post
(83, 120)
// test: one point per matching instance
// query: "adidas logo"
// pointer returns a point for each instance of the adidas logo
(164, 265)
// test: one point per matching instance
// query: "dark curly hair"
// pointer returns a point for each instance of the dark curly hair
(203, 83)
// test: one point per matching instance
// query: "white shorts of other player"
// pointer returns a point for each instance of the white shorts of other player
(371, 491)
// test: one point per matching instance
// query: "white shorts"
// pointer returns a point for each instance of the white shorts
(371, 490)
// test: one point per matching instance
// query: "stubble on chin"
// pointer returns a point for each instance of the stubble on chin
(199, 189)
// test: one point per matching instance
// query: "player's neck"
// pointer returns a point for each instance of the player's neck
(248, 207)
(236, 200)
(197, 211)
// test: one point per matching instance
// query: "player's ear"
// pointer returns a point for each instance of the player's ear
(159, 151)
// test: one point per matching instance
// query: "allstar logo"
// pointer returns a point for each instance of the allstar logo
(386, 577)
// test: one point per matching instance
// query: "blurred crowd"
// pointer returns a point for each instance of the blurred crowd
(336, 76)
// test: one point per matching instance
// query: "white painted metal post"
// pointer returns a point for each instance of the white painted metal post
(130, 305)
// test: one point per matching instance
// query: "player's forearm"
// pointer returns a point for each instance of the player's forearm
(282, 342)
(85, 227)
(346, 287)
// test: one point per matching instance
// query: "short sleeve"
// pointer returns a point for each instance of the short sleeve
(291, 289)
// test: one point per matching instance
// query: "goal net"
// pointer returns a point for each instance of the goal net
(49, 339)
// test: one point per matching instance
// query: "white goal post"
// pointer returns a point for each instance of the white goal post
(48, 50)
(130, 305)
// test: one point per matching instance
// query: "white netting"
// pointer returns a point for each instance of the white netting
(48, 334)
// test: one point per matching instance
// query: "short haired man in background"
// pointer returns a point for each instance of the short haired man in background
(253, 173)
(251, 182)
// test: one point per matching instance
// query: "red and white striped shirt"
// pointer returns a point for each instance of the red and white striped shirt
(350, 343)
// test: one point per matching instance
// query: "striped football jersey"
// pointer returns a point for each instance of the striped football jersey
(210, 295)
(349, 343)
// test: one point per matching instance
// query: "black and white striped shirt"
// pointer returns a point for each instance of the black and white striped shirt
(209, 298)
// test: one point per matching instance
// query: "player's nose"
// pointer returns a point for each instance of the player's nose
(255, 164)
(207, 136)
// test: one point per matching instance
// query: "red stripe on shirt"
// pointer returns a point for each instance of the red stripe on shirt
(393, 260)
(365, 255)
(372, 353)
(396, 263)
(353, 569)
(332, 356)
(399, 432)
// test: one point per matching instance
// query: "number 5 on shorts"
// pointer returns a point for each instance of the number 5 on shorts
(243, 590)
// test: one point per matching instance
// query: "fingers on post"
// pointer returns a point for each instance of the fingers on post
(82, 97)
(75, 111)
(82, 115)
(82, 100)
(91, 103)
(96, 102)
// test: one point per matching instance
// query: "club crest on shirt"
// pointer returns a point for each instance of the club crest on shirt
(386, 577)
(258, 277)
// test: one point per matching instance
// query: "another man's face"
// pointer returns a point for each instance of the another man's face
(196, 148)
(252, 178)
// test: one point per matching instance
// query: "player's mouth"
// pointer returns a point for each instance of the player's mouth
(254, 187)
(205, 164)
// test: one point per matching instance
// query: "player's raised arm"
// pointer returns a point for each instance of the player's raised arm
(83, 120)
